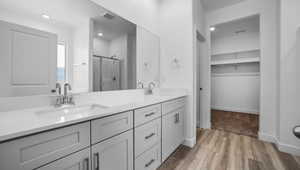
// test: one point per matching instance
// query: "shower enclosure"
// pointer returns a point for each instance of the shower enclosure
(106, 73)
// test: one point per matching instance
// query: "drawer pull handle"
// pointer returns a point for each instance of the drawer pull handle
(86, 164)
(149, 163)
(149, 114)
(149, 136)
(96, 161)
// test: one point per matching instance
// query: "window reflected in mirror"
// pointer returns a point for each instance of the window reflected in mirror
(61, 63)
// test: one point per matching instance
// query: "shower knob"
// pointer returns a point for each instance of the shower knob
(296, 131)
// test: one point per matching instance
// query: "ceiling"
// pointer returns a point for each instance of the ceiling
(72, 13)
(114, 28)
(210, 5)
(249, 24)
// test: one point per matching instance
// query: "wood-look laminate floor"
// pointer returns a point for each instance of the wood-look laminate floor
(240, 123)
(220, 150)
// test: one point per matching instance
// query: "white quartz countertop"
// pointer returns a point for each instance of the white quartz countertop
(18, 123)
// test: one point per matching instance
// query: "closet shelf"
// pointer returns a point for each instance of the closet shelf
(236, 52)
(235, 61)
(235, 74)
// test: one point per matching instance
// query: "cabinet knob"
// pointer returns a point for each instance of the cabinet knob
(296, 131)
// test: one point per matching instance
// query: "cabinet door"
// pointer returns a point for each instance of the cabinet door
(27, 62)
(114, 154)
(146, 136)
(172, 132)
(76, 161)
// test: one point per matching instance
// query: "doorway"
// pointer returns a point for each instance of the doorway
(202, 83)
(235, 76)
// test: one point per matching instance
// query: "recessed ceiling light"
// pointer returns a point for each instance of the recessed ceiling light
(46, 16)
(100, 34)
(212, 28)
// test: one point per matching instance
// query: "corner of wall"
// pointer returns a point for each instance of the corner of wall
(190, 142)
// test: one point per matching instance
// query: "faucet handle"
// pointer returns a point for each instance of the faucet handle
(58, 86)
(71, 100)
(140, 85)
(151, 84)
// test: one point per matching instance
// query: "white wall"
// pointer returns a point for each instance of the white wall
(202, 98)
(118, 48)
(176, 35)
(147, 57)
(239, 93)
(131, 64)
(81, 58)
(267, 9)
(144, 13)
(289, 75)
(64, 33)
(101, 47)
(241, 42)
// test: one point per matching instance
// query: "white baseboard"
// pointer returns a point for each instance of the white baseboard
(288, 149)
(281, 146)
(233, 109)
(267, 137)
(198, 124)
(207, 125)
(190, 142)
(204, 125)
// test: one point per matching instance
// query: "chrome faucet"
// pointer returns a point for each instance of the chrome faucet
(150, 88)
(59, 98)
(65, 99)
(140, 85)
(58, 86)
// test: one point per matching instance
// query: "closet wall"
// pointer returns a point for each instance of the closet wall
(235, 70)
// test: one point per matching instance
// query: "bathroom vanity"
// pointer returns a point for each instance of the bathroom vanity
(138, 135)
(72, 94)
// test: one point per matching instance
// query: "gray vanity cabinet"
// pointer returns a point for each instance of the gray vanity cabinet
(77, 161)
(132, 140)
(37, 150)
(115, 153)
(107, 127)
(172, 127)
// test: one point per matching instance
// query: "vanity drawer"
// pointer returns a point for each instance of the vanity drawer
(172, 105)
(146, 114)
(150, 160)
(76, 161)
(147, 136)
(34, 151)
(110, 126)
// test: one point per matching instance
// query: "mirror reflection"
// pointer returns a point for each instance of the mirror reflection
(45, 43)
(113, 53)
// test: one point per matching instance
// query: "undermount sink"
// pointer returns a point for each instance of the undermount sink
(70, 111)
